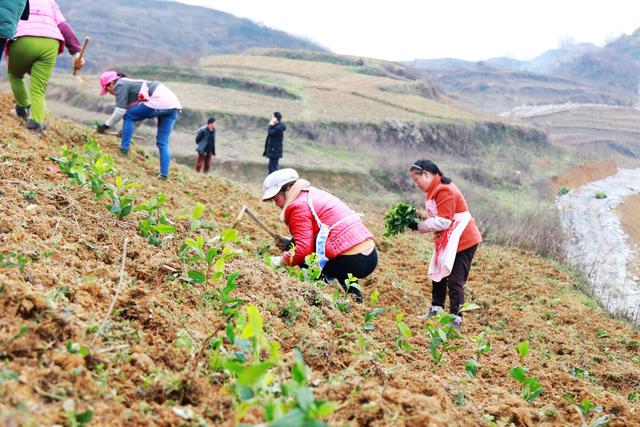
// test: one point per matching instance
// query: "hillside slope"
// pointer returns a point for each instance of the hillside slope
(61, 262)
(142, 31)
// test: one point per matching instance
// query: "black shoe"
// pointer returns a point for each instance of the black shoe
(23, 112)
(163, 177)
(124, 153)
(35, 127)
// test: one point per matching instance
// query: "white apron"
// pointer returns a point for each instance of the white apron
(446, 247)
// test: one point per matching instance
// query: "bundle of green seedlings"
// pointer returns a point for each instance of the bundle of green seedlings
(399, 218)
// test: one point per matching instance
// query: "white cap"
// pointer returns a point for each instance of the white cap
(276, 180)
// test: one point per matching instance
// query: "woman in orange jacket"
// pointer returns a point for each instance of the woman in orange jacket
(456, 236)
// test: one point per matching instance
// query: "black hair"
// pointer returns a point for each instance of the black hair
(211, 120)
(286, 187)
(427, 165)
(278, 116)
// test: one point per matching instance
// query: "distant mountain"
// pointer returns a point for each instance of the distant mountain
(615, 65)
(143, 31)
(578, 73)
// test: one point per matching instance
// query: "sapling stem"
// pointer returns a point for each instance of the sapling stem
(115, 296)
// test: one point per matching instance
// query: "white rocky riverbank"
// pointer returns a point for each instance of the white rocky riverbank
(598, 245)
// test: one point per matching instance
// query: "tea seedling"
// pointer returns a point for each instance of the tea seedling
(530, 388)
(441, 332)
(76, 419)
(563, 191)
(155, 222)
(29, 195)
(14, 259)
(8, 375)
(121, 201)
(404, 333)
(585, 408)
(373, 299)
(471, 367)
(398, 218)
(370, 317)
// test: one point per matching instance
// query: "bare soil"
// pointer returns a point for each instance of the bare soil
(582, 174)
(133, 374)
(629, 213)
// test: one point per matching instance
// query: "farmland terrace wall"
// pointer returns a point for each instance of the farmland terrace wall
(460, 138)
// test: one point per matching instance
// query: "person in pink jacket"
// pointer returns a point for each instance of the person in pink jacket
(320, 222)
(34, 50)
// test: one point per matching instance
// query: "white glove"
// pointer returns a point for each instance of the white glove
(76, 62)
(276, 261)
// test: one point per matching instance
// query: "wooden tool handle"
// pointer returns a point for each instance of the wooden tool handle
(82, 49)
(262, 224)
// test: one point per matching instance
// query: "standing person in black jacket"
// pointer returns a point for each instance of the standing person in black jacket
(273, 143)
(206, 140)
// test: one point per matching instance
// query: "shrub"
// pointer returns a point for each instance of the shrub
(601, 195)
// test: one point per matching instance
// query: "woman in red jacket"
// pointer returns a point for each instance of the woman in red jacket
(319, 222)
(456, 236)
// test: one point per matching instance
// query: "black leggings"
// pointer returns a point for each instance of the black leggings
(358, 265)
(2, 43)
(454, 282)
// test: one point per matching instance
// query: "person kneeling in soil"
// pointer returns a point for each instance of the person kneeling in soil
(137, 100)
(206, 145)
(456, 237)
(320, 222)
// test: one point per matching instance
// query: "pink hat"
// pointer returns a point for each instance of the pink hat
(106, 78)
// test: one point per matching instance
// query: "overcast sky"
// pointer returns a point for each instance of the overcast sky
(465, 29)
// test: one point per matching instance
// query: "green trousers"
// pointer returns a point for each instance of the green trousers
(36, 56)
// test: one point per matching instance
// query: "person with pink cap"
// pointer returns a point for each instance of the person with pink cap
(34, 50)
(137, 100)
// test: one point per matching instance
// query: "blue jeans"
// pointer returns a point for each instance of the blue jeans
(166, 121)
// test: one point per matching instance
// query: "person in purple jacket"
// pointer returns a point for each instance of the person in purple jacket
(34, 49)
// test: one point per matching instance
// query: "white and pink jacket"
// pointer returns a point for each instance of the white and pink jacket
(46, 20)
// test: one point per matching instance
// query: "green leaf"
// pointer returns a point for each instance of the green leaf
(518, 373)
(252, 374)
(230, 235)
(196, 276)
(404, 329)
(84, 417)
(373, 299)
(523, 349)
(8, 375)
(197, 212)
(253, 328)
(326, 408)
(164, 228)
(210, 255)
(294, 418)
(468, 307)
(472, 366)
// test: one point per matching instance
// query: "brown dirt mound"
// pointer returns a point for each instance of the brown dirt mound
(629, 215)
(133, 374)
(580, 175)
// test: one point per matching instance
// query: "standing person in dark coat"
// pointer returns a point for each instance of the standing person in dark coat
(10, 12)
(273, 144)
(206, 140)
